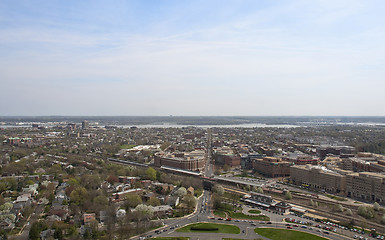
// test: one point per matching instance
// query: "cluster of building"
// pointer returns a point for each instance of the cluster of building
(359, 177)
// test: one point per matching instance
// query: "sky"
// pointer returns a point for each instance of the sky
(193, 58)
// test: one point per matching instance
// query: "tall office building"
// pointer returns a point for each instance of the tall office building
(85, 124)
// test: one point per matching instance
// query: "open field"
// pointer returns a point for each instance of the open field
(210, 228)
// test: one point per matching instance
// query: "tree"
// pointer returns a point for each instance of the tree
(339, 208)
(145, 212)
(101, 201)
(36, 228)
(58, 234)
(349, 212)
(151, 173)
(153, 201)
(190, 201)
(181, 192)
(219, 189)
(259, 190)
(376, 206)
(366, 212)
(288, 195)
(165, 145)
(132, 201)
(79, 196)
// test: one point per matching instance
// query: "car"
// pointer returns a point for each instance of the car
(261, 222)
(269, 223)
(220, 218)
(295, 225)
(237, 220)
(243, 231)
(289, 227)
(253, 224)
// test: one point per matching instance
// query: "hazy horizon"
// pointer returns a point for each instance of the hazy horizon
(192, 58)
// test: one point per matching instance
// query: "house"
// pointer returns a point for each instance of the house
(103, 217)
(88, 218)
(190, 190)
(120, 196)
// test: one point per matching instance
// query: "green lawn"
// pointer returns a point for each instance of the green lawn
(219, 213)
(244, 216)
(284, 234)
(170, 238)
(221, 228)
(254, 211)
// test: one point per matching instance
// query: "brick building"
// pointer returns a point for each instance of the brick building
(193, 161)
(272, 167)
(318, 178)
(368, 186)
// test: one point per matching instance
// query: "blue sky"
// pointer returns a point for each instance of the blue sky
(192, 57)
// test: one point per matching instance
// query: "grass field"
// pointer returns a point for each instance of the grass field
(219, 213)
(284, 234)
(254, 211)
(221, 228)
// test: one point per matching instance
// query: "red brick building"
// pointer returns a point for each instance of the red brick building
(193, 161)
(272, 167)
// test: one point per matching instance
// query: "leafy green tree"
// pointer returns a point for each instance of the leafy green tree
(101, 200)
(153, 201)
(376, 206)
(339, 208)
(259, 190)
(132, 201)
(79, 196)
(181, 192)
(58, 234)
(288, 195)
(151, 173)
(219, 190)
(36, 228)
(349, 212)
(145, 212)
(190, 201)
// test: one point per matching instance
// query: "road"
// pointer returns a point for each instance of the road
(33, 218)
(203, 213)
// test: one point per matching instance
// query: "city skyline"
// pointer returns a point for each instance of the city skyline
(160, 58)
